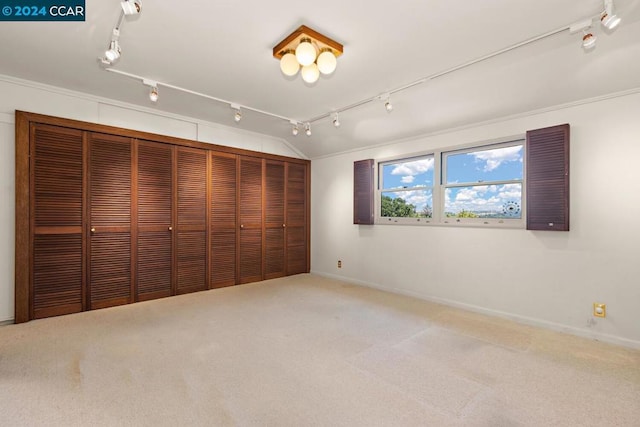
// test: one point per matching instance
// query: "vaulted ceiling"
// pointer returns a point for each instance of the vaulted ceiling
(223, 49)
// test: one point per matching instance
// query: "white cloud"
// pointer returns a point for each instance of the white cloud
(409, 170)
(482, 197)
(494, 158)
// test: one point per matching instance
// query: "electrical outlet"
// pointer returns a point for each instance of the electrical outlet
(599, 309)
(339, 264)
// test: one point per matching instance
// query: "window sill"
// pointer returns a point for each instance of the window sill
(453, 222)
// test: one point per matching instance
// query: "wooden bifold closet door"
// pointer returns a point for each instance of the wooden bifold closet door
(296, 212)
(57, 240)
(110, 237)
(155, 221)
(250, 218)
(274, 222)
(224, 179)
(191, 233)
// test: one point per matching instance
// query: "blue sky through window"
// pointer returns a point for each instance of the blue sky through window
(415, 173)
(485, 166)
(499, 164)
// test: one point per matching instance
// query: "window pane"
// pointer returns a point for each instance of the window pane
(412, 203)
(484, 201)
(499, 164)
(415, 173)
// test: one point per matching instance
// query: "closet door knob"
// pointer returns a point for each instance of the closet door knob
(284, 225)
(241, 225)
(93, 230)
(170, 228)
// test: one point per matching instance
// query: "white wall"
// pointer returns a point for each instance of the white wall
(22, 95)
(545, 278)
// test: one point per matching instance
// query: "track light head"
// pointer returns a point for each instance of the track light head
(237, 115)
(307, 129)
(336, 120)
(388, 105)
(153, 94)
(588, 40)
(131, 7)
(609, 19)
(294, 127)
(112, 54)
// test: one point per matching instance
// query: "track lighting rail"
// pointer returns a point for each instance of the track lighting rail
(608, 19)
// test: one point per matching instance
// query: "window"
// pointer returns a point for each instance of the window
(478, 185)
(483, 182)
(407, 189)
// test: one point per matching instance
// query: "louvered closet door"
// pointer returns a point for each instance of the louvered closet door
(110, 278)
(155, 255)
(191, 242)
(274, 220)
(250, 217)
(223, 219)
(57, 247)
(296, 209)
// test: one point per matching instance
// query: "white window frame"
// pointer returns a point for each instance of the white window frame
(379, 219)
(438, 189)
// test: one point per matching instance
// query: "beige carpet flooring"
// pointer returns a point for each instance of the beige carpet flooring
(307, 351)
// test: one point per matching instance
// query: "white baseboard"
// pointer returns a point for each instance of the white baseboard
(558, 327)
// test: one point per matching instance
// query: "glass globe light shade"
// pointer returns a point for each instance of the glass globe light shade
(310, 73)
(289, 64)
(327, 62)
(305, 53)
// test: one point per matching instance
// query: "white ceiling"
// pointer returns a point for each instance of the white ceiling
(223, 49)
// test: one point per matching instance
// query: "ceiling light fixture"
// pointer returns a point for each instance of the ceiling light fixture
(131, 7)
(588, 40)
(336, 120)
(309, 50)
(609, 19)
(584, 27)
(153, 92)
(112, 54)
(388, 105)
(307, 129)
(237, 116)
(294, 127)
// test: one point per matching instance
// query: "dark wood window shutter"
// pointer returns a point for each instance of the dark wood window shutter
(548, 178)
(363, 206)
